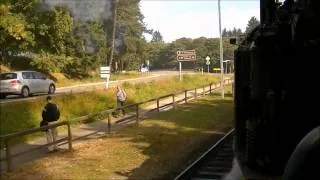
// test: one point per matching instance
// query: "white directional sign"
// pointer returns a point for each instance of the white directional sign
(187, 55)
(208, 60)
(105, 72)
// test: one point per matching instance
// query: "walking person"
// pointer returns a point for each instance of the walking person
(121, 98)
(51, 114)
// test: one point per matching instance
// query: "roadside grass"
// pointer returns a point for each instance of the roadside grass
(18, 116)
(63, 81)
(159, 148)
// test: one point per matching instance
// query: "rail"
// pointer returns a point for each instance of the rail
(192, 168)
(5, 139)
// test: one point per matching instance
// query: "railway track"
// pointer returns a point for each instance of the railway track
(213, 164)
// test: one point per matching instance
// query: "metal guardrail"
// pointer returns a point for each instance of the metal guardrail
(5, 139)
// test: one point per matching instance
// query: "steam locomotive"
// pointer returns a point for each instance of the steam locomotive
(277, 123)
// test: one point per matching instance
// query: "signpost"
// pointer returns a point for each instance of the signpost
(208, 62)
(221, 52)
(105, 74)
(226, 61)
(187, 55)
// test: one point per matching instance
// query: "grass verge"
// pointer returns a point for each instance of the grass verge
(22, 115)
(63, 81)
(156, 149)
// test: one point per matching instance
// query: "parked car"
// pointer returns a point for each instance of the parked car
(144, 69)
(25, 83)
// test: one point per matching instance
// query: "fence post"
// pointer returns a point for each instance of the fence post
(203, 90)
(109, 123)
(232, 90)
(210, 88)
(195, 92)
(173, 101)
(69, 136)
(185, 96)
(137, 113)
(158, 105)
(8, 158)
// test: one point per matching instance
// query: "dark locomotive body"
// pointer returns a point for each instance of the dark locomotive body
(276, 96)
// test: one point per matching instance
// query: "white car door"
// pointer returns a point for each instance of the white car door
(42, 82)
(35, 82)
(28, 80)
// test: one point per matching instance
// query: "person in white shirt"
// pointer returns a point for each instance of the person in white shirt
(121, 98)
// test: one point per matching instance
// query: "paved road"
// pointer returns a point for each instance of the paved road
(95, 86)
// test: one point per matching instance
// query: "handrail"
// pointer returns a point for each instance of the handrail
(30, 131)
(7, 137)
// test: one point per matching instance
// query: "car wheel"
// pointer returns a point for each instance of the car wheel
(52, 89)
(25, 92)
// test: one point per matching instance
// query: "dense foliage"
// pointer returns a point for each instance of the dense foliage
(75, 37)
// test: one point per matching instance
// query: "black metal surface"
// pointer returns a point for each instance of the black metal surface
(214, 163)
(273, 111)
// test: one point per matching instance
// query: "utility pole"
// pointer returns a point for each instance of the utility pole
(114, 5)
(221, 52)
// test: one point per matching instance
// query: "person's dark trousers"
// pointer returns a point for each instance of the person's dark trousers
(120, 104)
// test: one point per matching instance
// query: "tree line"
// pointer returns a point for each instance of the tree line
(235, 32)
(75, 37)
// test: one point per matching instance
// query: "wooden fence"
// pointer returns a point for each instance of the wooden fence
(5, 139)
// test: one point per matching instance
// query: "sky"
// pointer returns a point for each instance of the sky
(195, 18)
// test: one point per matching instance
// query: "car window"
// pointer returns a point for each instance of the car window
(6, 76)
(37, 75)
(27, 75)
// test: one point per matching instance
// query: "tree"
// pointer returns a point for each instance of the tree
(15, 32)
(87, 43)
(224, 32)
(165, 56)
(59, 39)
(231, 33)
(252, 23)
(234, 32)
(52, 29)
(239, 32)
(130, 34)
(157, 37)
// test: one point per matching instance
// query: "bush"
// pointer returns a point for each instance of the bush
(47, 62)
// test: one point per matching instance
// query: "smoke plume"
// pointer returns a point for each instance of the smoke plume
(87, 10)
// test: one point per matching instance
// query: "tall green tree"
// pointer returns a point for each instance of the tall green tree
(131, 25)
(157, 37)
(52, 28)
(166, 56)
(252, 23)
(232, 33)
(15, 34)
